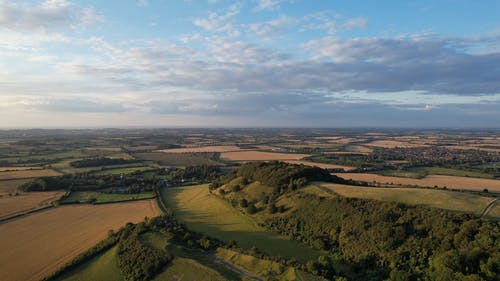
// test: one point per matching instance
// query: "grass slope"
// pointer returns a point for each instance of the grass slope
(449, 200)
(101, 268)
(206, 213)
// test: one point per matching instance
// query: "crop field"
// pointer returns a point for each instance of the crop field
(10, 186)
(99, 197)
(252, 155)
(451, 182)
(320, 165)
(11, 175)
(24, 202)
(4, 169)
(216, 148)
(392, 144)
(206, 213)
(102, 267)
(421, 172)
(176, 159)
(449, 200)
(39, 244)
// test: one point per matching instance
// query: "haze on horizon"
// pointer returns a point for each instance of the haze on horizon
(250, 63)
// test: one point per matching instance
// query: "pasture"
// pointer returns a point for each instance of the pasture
(207, 213)
(451, 182)
(119, 171)
(39, 244)
(442, 199)
(253, 155)
(103, 267)
(11, 186)
(100, 197)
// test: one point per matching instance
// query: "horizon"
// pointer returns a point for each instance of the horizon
(249, 64)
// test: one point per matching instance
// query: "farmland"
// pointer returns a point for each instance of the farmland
(24, 202)
(61, 234)
(209, 214)
(219, 148)
(260, 156)
(25, 174)
(451, 182)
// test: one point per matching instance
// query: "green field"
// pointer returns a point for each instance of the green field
(99, 197)
(422, 172)
(449, 200)
(207, 213)
(177, 159)
(188, 264)
(119, 171)
(101, 268)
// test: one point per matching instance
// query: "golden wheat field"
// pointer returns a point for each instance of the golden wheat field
(10, 175)
(452, 182)
(39, 244)
(216, 148)
(320, 165)
(26, 201)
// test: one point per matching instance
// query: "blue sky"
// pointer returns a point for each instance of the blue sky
(250, 63)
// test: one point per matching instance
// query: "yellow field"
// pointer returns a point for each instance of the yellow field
(217, 148)
(392, 144)
(3, 169)
(10, 186)
(320, 165)
(26, 201)
(252, 155)
(37, 245)
(451, 182)
(455, 201)
(28, 174)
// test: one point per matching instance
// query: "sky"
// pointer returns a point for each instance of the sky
(250, 63)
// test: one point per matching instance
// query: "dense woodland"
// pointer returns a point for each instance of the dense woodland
(104, 161)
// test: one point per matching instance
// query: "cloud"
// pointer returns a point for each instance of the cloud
(219, 22)
(273, 28)
(263, 5)
(48, 15)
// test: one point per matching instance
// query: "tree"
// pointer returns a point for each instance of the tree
(244, 203)
(251, 209)
(272, 208)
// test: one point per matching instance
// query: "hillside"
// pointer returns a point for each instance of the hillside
(368, 239)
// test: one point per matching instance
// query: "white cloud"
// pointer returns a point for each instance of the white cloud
(48, 15)
(269, 4)
(220, 22)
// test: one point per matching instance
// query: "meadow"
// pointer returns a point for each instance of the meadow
(101, 197)
(207, 213)
(451, 182)
(177, 159)
(449, 200)
(37, 245)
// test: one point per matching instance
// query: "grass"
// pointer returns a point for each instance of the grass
(188, 264)
(268, 270)
(421, 172)
(207, 213)
(455, 201)
(103, 267)
(118, 171)
(99, 197)
(177, 159)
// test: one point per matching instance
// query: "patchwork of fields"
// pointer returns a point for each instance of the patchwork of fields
(39, 244)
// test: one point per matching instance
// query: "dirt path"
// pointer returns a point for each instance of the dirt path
(489, 207)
